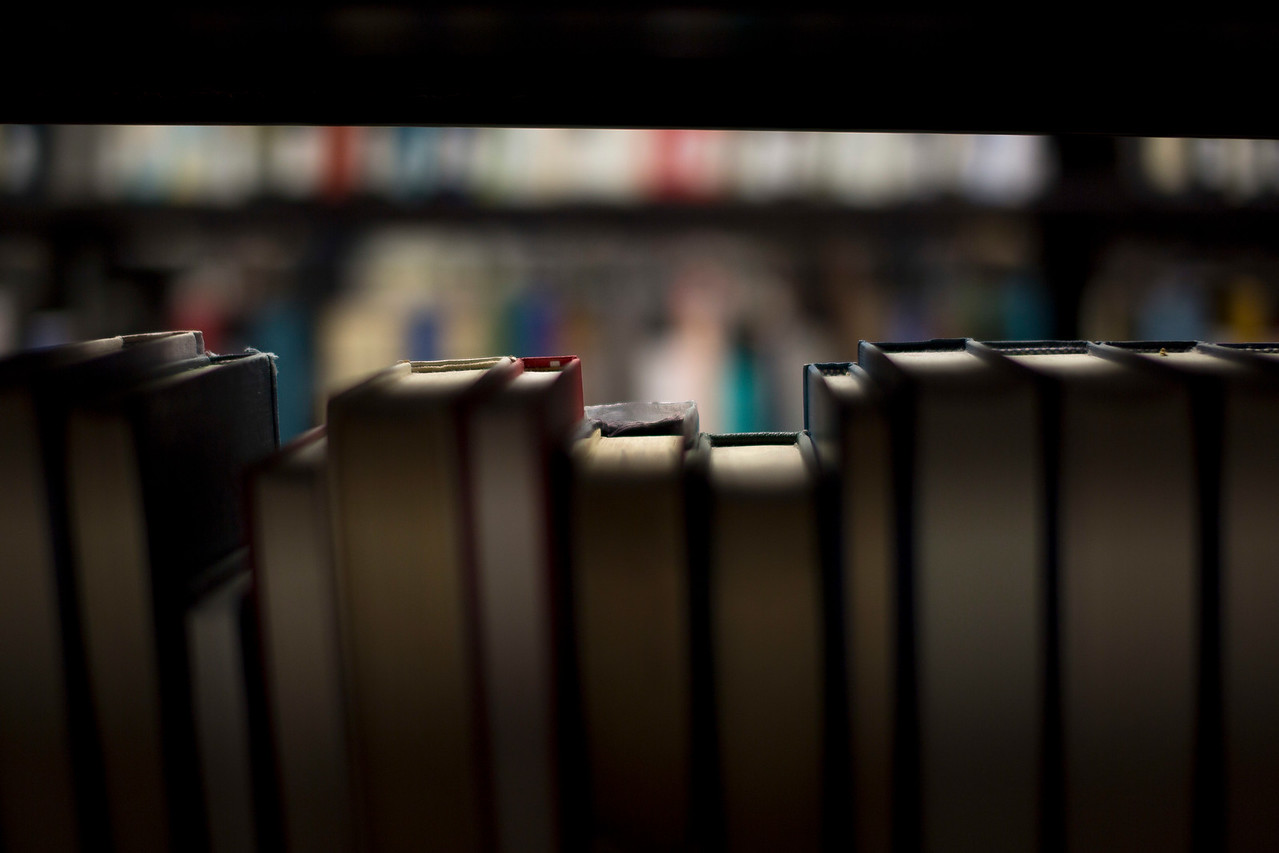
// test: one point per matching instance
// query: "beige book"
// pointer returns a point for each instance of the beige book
(970, 501)
(401, 530)
(763, 575)
(629, 564)
(1127, 598)
(296, 589)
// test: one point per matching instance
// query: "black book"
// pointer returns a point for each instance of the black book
(155, 494)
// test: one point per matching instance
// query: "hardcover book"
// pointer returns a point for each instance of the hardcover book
(50, 763)
(970, 594)
(222, 670)
(155, 496)
(515, 439)
(629, 577)
(758, 640)
(1122, 492)
(846, 416)
(399, 481)
(1235, 420)
(296, 590)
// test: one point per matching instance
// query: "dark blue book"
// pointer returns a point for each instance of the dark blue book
(846, 416)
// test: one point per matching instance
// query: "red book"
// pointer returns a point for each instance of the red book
(341, 160)
(688, 165)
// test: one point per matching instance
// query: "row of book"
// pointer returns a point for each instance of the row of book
(1235, 170)
(1006, 595)
(1154, 289)
(122, 667)
(713, 314)
(228, 165)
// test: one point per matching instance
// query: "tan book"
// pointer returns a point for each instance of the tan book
(515, 447)
(1121, 469)
(969, 501)
(759, 613)
(1235, 389)
(406, 588)
(628, 561)
(297, 599)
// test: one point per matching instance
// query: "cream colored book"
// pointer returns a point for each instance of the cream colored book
(406, 591)
(515, 441)
(629, 575)
(758, 608)
(970, 592)
(297, 597)
(1236, 399)
(1124, 546)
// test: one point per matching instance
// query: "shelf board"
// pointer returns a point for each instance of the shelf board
(1106, 205)
(770, 65)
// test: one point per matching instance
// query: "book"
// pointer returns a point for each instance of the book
(154, 491)
(399, 490)
(515, 437)
(629, 578)
(1207, 380)
(758, 650)
(216, 621)
(50, 769)
(1234, 420)
(971, 624)
(1125, 570)
(295, 588)
(1249, 639)
(846, 417)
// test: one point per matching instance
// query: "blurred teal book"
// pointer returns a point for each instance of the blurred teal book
(285, 329)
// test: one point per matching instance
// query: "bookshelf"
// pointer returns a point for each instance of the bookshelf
(236, 228)
(704, 67)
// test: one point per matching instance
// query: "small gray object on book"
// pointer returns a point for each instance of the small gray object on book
(619, 419)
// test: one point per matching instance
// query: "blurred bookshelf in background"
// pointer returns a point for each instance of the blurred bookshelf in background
(680, 264)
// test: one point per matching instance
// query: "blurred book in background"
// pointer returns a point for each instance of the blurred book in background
(343, 249)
